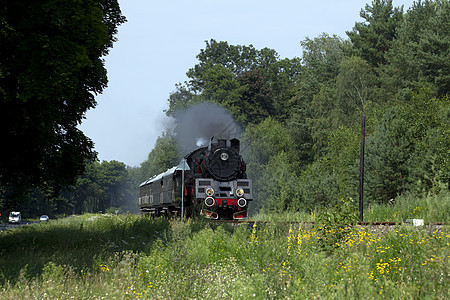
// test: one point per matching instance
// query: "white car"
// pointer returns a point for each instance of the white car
(44, 218)
(15, 217)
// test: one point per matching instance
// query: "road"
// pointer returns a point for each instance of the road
(6, 226)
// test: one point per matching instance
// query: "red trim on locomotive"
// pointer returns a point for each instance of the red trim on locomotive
(209, 214)
(240, 215)
(227, 202)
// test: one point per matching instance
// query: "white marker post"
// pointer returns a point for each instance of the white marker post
(184, 167)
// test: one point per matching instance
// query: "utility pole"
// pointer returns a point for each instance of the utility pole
(361, 167)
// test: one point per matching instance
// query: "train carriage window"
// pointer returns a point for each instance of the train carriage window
(169, 183)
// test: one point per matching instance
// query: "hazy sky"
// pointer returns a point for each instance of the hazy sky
(161, 40)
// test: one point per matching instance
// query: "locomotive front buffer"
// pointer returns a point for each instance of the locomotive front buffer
(224, 200)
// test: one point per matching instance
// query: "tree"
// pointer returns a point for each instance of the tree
(428, 122)
(321, 58)
(324, 117)
(252, 84)
(279, 189)
(409, 148)
(87, 192)
(314, 98)
(113, 179)
(373, 38)
(284, 76)
(420, 53)
(102, 186)
(254, 97)
(162, 157)
(264, 140)
(272, 162)
(51, 68)
(318, 185)
(355, 85)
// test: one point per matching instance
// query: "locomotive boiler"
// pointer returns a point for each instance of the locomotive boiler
(215, 185)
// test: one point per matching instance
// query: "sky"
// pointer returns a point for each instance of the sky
(160, 41)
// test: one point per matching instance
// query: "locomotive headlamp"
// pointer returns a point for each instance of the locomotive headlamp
(239, 192)
(242, 202)
(209, 192)
(209, 201)
(224, 156)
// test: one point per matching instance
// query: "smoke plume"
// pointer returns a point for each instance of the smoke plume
(198, 124)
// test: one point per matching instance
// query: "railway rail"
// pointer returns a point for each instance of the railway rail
(313, 223)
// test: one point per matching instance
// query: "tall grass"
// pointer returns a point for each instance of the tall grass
(78, 243)
(286, 216)
(431, 208)
(129, 257)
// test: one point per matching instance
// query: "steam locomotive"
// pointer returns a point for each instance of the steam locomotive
(215, 185)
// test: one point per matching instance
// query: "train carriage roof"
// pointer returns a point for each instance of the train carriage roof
(158, 177)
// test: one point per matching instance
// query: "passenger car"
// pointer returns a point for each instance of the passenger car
(44, 218)
(15, 217)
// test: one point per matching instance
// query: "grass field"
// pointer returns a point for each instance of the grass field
(129, 257)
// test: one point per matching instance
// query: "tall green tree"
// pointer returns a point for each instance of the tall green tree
(51, 68)
(272, 161)
(86, 195)
(323, 117)
(102, 186)
(113, 179)
(409, 148)
(321, 58)
(163, 156)
(420, 55)
(252, 84)
(315, 99)
(373, 37)
(356, 85)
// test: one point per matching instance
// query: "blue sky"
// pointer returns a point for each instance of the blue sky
(161, 40)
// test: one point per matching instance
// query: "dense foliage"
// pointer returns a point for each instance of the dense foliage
(51, 68)
(129, 257)
(301, 141)
(103, 187)
(301, 116)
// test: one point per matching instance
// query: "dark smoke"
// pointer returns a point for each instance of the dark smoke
(198, 124)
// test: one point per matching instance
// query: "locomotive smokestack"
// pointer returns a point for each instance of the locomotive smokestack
(222, 142)
(235, 144)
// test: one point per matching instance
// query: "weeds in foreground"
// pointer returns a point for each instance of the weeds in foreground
(134, 257)
(430, 208)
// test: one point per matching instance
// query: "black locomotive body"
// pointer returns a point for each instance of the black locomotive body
(215, 185)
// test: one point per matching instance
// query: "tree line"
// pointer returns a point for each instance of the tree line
(301, 117)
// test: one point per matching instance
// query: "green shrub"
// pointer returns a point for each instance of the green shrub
(336, 222)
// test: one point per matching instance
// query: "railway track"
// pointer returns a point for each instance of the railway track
(313, 223)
